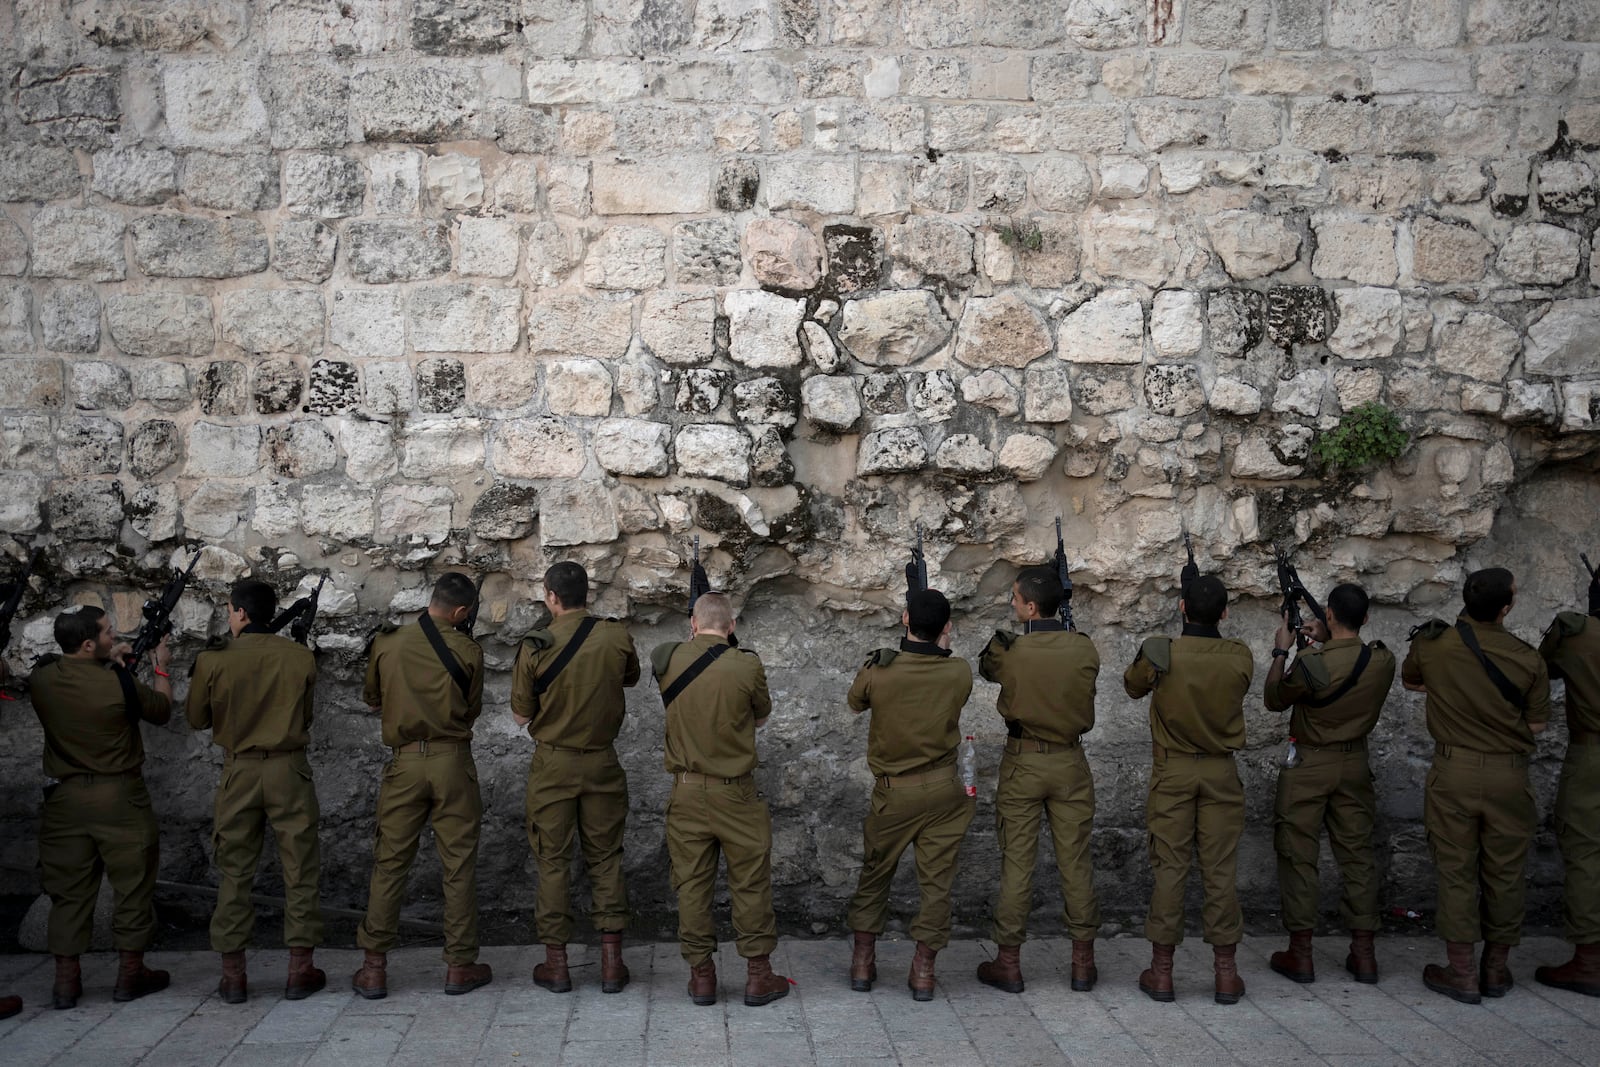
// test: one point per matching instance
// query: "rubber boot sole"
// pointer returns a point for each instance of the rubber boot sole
(1004, 987)
(1163, 996)
(370, 994)
(234, 996)
(1295, 976)
(921, 996)
(461, 988)
(1454, 993)
(1226, 998)
(1587, 989)
(765, 998)
(1364, 977)
(1084, 985)
(553, 985)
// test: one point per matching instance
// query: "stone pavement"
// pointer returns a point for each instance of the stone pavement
(512, 1022)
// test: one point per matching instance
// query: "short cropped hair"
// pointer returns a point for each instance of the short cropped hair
(1487, 593)
(713, 611)
(256, 599)
(569, 582)
(1041, 587)
(75, 627)
(928, 612)
(453, 590)
(1205, 600)
(1348, 604)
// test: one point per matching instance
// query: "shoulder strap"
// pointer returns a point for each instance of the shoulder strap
(690, 673)
(130, 694)
(542, 684)
(1514, 696)
(1348, 684)
(446, 658)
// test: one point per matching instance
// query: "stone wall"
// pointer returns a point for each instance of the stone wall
(382, 287)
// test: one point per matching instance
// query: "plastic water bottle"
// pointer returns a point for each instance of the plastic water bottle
(968, 760)
(1291, 758)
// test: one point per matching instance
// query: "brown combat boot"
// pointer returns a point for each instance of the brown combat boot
(613, 972)
(1581, 974)
(552, 974)
(462, 978)
(1455, 980)
(304, 978)
(703, 983)
(1229, 986)
(920, 980)
(1494, 972)
(1156, 982)
(135, 980)
(10, 1006)
(1004, 972)
(761, 985)
(372, 980)
(1363, 960)
(235, 986)
(1084, 973)
(864, 962)
(1296, 963)
(69, 983)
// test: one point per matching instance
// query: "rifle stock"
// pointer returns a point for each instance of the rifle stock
(158, 614)
(917, 569)
(1063, 572)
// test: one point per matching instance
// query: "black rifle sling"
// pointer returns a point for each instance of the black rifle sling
(693, 671)
(130, 694)
(446, 658)
(1348, 684)
(1514, 696)
(542, 684)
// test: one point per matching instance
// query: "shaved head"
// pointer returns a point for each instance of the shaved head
(713, 614)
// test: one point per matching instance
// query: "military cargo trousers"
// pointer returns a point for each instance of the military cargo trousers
(708, 817)
(257, 790)
(582, 795)
(930, 812)
(1578, 830)
(1195, 803)
(1479, 812)
(438, 786)
(1035, 786)
(94, 825)
(1330, 788)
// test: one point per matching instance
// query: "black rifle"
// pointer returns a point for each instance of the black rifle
(158, 615)
(1066, 582)
(1294, 591)
(1594, 588)
(917, 569)
(302, 614)
(14, 591)
(1191, 570)
(700, 583)
(468, 624)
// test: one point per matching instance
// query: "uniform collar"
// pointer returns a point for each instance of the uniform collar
(708, 640)
(254, 629)
(922, 648)
(1200, 629)
(1042, 626)
(1486, 627)
(1342, 642)
(569, 620)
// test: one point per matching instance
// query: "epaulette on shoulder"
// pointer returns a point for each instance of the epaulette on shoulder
(881, 657)
(1004, 638)
(540, 640)
(661, 656)
(47, 659)
(1158, 650)
(1429, 630)
(381, 629)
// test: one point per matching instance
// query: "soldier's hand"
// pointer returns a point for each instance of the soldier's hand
(120, 653)
(1316, 630)
(162, 655)
(944, 639)
(1284, 638)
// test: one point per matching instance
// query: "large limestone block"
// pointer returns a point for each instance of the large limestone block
(991, 389)
(218, 451)
(826, 186)
(1177, 323)
(1001, 331)
(1480, 345)
(783, 254)
(569, 324)
(1047, 394)
(896, 450)
(1252, 245)
(1232, 397)
(342, 512)
(584, 81)
(633, 447)
(186, 246)
(135, 175)
(37, 172)
(13, 249)
(273, 320)
(654, 187)
(81, 243)
(1174, 389)
(489, 247)
(16, 318)
(464, 318)
(578, 387)
(419, 103)
(383, 251)
(447, 447)
(706, 252)
(765, 402)
(894, 328)
(1371, 323)
(1061, 184)
(678, 327)
(395, 178)
(1356, 249)
(1106, 329)
(97, 386)
(705, 450)
(934, 246)
(537, 448)
(577, 513)
(831, 402)
(213, 103)
(69, 317)
(322, 186)
(230, 183)
(368, 323)
(1562, 342)
(627, 257)
(1026, 457)
(88, 446)
(300, 449)
(963, 453)
(1447, 251)
(503, 383)
(1272, 456)
(160, 324)
(369, 450)
(1538, 253)
(764, 328)
(303, 251)
(388, 388)
(1136, 244)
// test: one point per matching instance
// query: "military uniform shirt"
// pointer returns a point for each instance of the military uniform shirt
(1463, 706)
(584, 706)
(916, 703)
(1319, 672)
(254, 694)
(1199, 705)
(420, 701)
(711, 726)
(1576, 658)
(84, 714)
(1047, 682)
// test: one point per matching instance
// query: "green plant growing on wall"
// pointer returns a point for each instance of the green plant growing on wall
(1025, 235)
(1366, 436)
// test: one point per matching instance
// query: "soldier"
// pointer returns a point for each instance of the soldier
(1047, 687)
(426, 678)
(1571, 647)
(1488, 695)
(916, 694)
(1199, 681)
(254, 694)
(714, 704)
(1337, 692)
(567, 690)
(9, 1006)
(97, 814)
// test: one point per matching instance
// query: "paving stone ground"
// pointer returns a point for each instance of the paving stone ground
(511, 1022)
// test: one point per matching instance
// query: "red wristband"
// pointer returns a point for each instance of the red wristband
(160, 673)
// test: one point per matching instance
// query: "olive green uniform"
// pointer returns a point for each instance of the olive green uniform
(711, 752)
(97, 815)
(1047, 689)
(576, 787)
(916, 696)
(254, 695)
(430, 778)
(1332, 786)
(1199, 683)
(1572, 649)
(1477, 803)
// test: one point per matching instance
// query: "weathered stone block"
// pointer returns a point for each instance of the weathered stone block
(81, 243)
(454, 181)
(335, 387)
(1479, 345)
(488, 247)
(826, 186)
(1370, 323)
(185, 246)
(441, 385)
(1137, 245)
(1447, 251)
(300, 449)
(655, 187)
(224, 389)
(537, 448)
(1301, 394)
(13, 249)
(1026, 457)
(1297, 315)
(279, 385)
(342, 512)
(1002, 331)
(369, 450)
(1061, 183)
(85, 510)
(323, 186)
(273, 320)
(1177, 322)
(444, 28)
(706, 252)
(932, 395)
(578, 387)
(963, 453)
(894, 328)
(1236, 319)
(395, 181)
(563, 324)
(155, 446)
(1561, 342)
(710, 451)
(464, 318)
(230, 182)
(677, 326)
(831, 402)
(435, 447)
(1047, 394)
(1231, 397)
(415, 513)
(69, 318)
(1174, 389)
(633, 447)
(88, 446)
(213, 103)
(765, 402)
(308, 103)
(303, 251)
(934, 247)
(626, 257)
(99, 386)
(388, 388)
(898, 450)
(1252, 245)
(135, 175)
(418, 103)
(395, 251)
(505, 512)
(1107, 329)
(700, 391)
(38, 172)
(162, 385)
(16, 318)
(168, 324)
(1566, 186)
(27, 443)
(367, 323)
(1272, 456)
(214, 510)
(764, 328)
(577, 513)
(991, 389)
(217, 451)
(783, 254)
(1530, 403)
(1537, 253)
(1357, 249)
